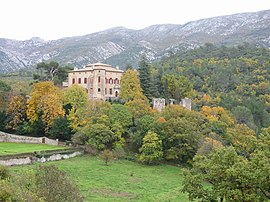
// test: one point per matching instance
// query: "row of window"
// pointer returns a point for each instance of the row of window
(108, 81)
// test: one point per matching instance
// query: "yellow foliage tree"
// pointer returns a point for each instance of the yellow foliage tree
(138, 108)
(242, 138)
(130, 86)
(45, 103)
(214, 114)
(77, 98)
(16, 111)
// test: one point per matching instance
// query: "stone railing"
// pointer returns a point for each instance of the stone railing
(6, 137)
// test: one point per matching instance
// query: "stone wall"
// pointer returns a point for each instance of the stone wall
(30, 160)
(6, 137)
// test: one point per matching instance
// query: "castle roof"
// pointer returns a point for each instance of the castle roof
(98, 66)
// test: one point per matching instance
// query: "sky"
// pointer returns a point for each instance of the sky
(54, 19)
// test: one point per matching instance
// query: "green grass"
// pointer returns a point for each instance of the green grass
(16, 148)
(122, 180)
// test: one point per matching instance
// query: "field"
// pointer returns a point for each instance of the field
(15, 148)
(122, 180)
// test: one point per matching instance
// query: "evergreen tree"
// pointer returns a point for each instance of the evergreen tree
(145, 78)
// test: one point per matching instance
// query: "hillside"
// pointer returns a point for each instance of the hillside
(120, 46)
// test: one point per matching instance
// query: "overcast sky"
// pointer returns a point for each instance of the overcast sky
(54, 19)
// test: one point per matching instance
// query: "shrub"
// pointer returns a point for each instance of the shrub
(79, 138)
(5, 191)
(4, 172)
(118, 152)
(106, 155)
(54, 185)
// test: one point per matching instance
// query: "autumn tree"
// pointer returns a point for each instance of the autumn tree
(107, 156)
(242, 138)
(45, 104)
(75, 100)
(130, 86)
(151, 150)
(16, 111)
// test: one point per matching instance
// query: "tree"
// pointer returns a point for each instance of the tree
(100, 136)
(76, 100)
(45, 104)
(16, 111)
(180, 131)
(51, 71)
(107, 156)
(145, 78)
(138, 108)
(178, 86)
(60, 129)
(130, 86)
(242, 138)
(4, 93)
(243, 115)
(151, 150)
(121, 115)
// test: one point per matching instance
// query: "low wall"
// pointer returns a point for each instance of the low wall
(30, 160)
(6, 137)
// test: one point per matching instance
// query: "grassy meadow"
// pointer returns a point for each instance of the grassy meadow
(16, 148)
(122, 180)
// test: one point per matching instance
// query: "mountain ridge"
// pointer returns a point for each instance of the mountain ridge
(121, 46)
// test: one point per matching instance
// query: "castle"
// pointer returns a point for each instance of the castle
(101, 81)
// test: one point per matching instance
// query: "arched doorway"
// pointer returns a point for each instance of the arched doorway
(116, 93)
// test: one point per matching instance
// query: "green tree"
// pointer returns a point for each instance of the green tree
(146, 78)
(243, 115)
(4, 94)
(60, 129)
(130, 86)
(151, 150)
(75, 100)
(100, 136)
(51, 71)
(121, 115)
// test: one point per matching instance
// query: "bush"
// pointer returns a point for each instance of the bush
(4, 172)
(106, 155)
(5, 191)
(79, 138)
(90, 150)
(54, 185)
(118, 152)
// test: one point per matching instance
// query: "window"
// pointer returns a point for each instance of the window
(80, 80)
(85, 80)
(99, 90)
(110, 91)
(73, 81)
(99, 80)
(116, 81)
(111, 81)
(105, 91)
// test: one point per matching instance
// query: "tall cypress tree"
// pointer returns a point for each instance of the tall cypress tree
(145, 78)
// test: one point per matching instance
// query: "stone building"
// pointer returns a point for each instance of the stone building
(101, 81)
